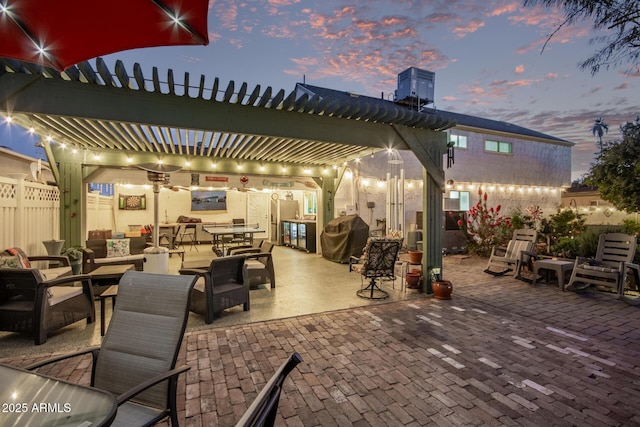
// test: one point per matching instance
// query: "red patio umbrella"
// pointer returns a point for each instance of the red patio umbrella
(60, 33)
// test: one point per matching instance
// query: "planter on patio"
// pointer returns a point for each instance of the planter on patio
(413, 280)
(442, 289)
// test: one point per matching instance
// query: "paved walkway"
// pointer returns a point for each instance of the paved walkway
(501, 352)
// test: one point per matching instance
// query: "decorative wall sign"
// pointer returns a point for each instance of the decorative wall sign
(132, 203)
(211, 178)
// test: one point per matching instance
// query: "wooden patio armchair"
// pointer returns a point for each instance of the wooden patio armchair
(614, 257)
(504, 260)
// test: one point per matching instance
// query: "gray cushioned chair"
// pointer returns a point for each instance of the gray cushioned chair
(29, 303)
(219, 287)
(137, 359)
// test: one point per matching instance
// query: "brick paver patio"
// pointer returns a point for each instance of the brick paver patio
(501, 352)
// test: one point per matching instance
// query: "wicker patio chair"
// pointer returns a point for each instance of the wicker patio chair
(244, 249)
(264, 408)
(29, 303)
(136, 362)
(259, 265)
(504, 260)
(219, 287)
(614, 255)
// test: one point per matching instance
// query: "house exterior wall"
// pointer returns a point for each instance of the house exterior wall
(534, 174)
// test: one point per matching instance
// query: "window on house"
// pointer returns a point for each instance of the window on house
(498, 146)
(458, 201)
(459, 141)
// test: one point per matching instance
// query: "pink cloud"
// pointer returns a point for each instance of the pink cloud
(520, 69)
(504, 9)
(471, 27)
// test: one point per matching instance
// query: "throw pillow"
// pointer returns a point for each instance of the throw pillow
(17, 252)
(117, 247)
(7, 261)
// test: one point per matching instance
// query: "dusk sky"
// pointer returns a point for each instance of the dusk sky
(486, 56)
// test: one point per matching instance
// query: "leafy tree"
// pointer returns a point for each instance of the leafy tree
(618, 20)
(616, 171)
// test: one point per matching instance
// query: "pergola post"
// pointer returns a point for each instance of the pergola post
(71, 203)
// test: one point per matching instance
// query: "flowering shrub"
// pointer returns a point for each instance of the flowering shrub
(485, 227)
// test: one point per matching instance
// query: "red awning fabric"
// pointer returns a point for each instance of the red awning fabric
(72, 31)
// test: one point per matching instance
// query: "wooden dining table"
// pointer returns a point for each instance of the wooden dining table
(32, 399)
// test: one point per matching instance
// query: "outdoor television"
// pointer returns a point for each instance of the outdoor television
(208, 201)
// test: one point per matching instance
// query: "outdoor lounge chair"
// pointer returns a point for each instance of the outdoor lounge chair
(259, 265)
(613, 257)
(245, 249)
(377, 262)
(29, 303)
(219, 287)
(136, 362)
(504, 260)
(264, 408)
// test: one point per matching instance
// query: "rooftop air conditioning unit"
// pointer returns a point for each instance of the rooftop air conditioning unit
(415, 87)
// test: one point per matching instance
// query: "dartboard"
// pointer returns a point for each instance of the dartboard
(133, 202)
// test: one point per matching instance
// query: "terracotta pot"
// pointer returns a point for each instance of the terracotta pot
(415, 257)
(413, 280)
(442, 289)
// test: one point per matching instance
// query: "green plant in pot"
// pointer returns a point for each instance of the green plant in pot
(74, 253)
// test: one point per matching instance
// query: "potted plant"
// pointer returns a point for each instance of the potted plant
(441, 288)
(74, 253)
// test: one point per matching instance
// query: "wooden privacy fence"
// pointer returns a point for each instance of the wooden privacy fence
(29, 214)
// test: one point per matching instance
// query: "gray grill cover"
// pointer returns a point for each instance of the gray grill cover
(344, 237)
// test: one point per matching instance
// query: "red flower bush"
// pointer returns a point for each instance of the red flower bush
(485, 227)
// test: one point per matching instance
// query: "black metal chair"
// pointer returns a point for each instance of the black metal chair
(377, 262)
(264, 408)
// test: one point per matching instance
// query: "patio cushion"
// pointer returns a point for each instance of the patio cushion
(58, 294)
(24, 259)
(10, 261)
(54, 273)
(117, 247)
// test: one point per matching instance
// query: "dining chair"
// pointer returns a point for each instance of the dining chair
(186, 231)
(137, 358)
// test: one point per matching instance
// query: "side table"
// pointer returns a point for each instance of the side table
(559, 266)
